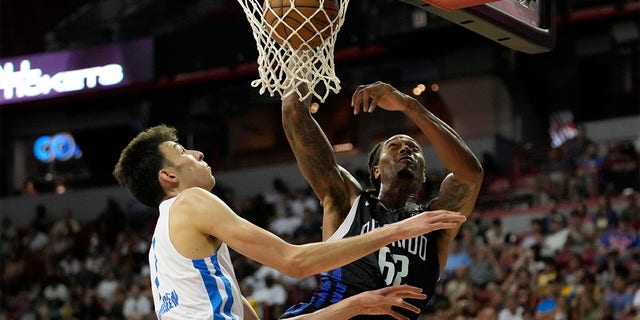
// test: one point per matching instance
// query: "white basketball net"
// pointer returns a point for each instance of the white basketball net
(284, 66)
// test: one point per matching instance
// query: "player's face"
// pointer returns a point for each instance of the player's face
(188, 166)
(401, 158)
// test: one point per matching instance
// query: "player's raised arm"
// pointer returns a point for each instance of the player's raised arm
(335, 187)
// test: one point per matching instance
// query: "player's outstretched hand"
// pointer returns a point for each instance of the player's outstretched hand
(428, 221)
(372, 302)
(381, 301)
(378, 94)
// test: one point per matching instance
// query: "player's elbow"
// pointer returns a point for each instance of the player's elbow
(474, 173)
(295, 268)
(476, 178)
(473, 177)
(478, 173)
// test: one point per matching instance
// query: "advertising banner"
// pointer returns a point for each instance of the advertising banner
(53, 74)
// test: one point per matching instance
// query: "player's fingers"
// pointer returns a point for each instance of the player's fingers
(440, 212)
(356, 108)
(454, 219)
(374, 102)
(366, 99)
(399, 290)
(444, 225)
(451, 219)
(452, 225)
(448, 216)
(356, 100)
(408, 306)
(412, 295)
(396, 315)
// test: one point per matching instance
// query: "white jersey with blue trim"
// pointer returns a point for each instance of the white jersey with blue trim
(191, 288)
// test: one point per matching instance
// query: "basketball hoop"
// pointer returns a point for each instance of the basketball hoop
(295, 41)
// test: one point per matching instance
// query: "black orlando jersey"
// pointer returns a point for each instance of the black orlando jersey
(412, 261)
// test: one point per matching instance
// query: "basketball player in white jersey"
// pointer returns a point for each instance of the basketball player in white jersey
(192, 275)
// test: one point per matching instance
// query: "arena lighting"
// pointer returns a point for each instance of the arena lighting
(561, 127)
(420, 88)
(342, 147)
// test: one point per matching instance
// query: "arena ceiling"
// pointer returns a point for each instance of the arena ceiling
(31, 26)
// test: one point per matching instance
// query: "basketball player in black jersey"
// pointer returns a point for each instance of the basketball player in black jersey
(397, 171)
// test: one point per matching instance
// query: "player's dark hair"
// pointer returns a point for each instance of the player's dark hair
(139, 163)
(374, 158)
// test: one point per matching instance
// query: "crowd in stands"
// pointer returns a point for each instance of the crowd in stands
(575, 261)
(578, 169)
(569, 264)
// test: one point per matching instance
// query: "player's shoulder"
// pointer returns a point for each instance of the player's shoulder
(196, 192)
(196, 197)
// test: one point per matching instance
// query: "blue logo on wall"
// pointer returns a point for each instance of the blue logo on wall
(61, 147)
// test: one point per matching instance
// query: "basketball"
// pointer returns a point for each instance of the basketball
(290, 25)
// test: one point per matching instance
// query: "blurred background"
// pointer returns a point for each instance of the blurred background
(555, 130)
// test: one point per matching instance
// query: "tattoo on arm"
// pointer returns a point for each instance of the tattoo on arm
(453, 193)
